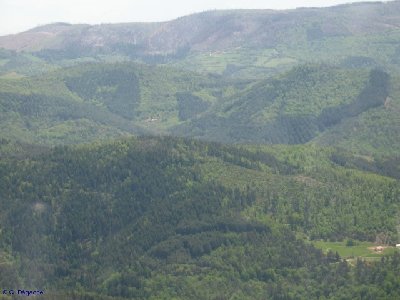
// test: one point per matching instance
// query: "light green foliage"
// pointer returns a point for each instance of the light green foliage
(374, 132)
(99, 101)
(164, 218)
(292, 108)
(358, 250)
(112, 217)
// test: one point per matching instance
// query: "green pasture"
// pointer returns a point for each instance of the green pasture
(359, 250)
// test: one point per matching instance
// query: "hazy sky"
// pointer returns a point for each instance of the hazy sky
(20, 15)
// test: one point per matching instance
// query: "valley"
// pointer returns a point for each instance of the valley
(233, 154)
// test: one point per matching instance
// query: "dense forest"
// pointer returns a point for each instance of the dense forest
(254, 156)
(164, 217)
(316, 103)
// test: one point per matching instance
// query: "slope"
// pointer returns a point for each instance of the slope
(319, 103)
(92, 101)
(372, 133)
(154, 218)
(239, 43)
(292, 108)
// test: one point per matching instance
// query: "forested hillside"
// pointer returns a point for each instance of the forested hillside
(372, 132)
(293, 108)
(99, 101)
(238, 43)
(327, 76)
(154, 218)
(239, 154)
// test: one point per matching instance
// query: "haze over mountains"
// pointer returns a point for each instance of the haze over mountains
(205, 157)
(243, 47)
(285, 34)
(214, 30)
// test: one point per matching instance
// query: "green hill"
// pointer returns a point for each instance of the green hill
(93, 101)
(154, 218)
(293, 108)
(310, 103)
(237, 43)
(98, 201)
(372, 132)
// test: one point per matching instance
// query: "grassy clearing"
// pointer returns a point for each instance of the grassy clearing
(359, 250)
(11, 75)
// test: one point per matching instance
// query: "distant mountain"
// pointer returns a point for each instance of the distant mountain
(115, 184)
(236, 42)
(247, 76)
(214, 30)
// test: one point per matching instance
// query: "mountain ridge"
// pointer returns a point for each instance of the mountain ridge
(152, 35)
(223, 155)
(248, 44)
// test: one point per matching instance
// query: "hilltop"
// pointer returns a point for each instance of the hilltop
(239, 154)
(238, 42)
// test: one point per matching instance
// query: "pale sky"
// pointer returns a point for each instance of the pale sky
(20, 15)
